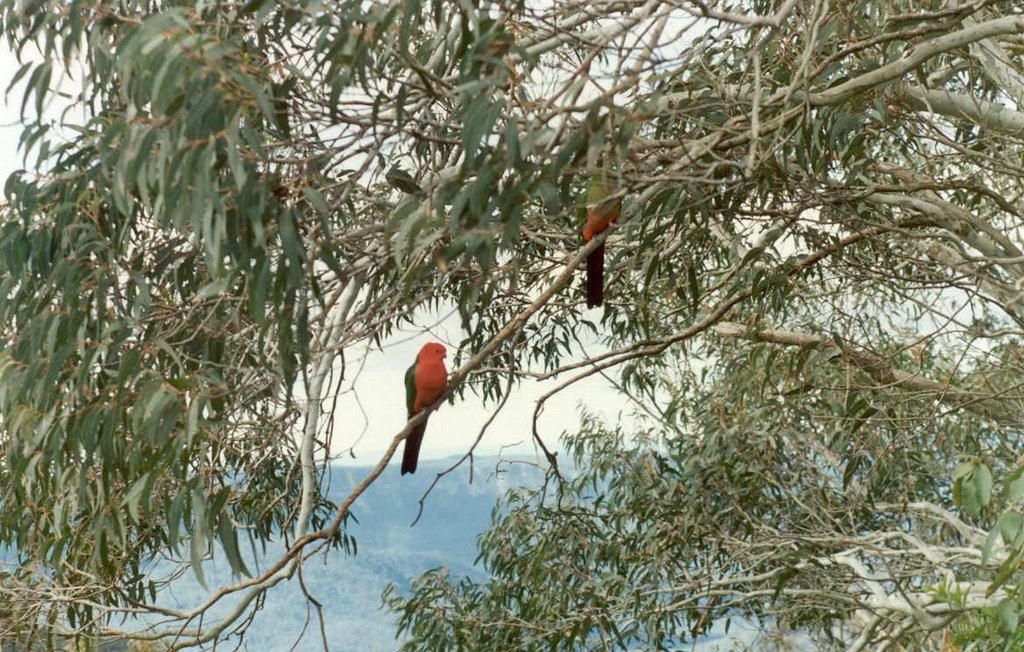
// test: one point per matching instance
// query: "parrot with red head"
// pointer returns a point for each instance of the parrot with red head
(425, 381)
(602, 209)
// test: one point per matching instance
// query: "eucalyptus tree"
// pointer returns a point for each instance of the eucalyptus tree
(812, 300)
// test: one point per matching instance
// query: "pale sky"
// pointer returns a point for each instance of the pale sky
(381, 390)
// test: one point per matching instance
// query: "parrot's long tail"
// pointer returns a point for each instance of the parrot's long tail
(412, 449)
(595, 277)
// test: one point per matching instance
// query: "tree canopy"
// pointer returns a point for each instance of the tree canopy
(813, 304)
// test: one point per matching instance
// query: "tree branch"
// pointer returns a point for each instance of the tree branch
(878, 368)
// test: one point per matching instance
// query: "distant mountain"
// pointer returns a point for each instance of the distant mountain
(389, 550)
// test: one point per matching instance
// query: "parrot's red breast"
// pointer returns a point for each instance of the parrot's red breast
(599, 217)
(430, 375)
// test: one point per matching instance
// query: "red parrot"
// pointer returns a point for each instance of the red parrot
(601, 211)
(424, 382)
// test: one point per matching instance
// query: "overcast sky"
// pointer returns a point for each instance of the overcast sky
(9, 128)
(380, 388)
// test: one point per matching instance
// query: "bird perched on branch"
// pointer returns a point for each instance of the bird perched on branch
(425, 381)
(603, 208)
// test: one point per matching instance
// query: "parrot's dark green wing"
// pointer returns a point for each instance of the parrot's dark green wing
(410, 389)
(411, 453)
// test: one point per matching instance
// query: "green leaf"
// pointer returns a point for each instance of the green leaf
(983, 484)
(228, 536)
(175, 512)
(480, 116)
(988, 545)
(197, 551)
(1010, 527)
(1009, 615)
(851, 470)
(198, 541)
(1013, 488)
(512, 144)
(139, 493)
(1005, 572)
(25, 67)
(238, 168)
(264, 103)
(316, 199)
(970, 500)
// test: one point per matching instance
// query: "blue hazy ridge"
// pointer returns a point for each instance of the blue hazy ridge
(390, 550)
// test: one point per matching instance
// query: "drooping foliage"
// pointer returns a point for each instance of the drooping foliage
(812, 300)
